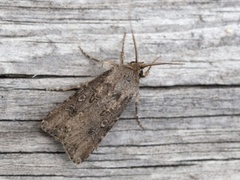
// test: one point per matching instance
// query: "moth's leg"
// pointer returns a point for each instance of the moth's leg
(146, 72)
(66, 89)
(122, 51)
(88, 56)
(136, 110)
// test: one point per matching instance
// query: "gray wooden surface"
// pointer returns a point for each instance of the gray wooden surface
(191, 112)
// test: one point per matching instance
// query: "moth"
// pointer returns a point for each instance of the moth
(81, 122)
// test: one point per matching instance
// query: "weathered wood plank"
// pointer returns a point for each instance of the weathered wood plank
(205, 39)
(185, 170)
(159, 132)
(160, 102)
(190, 111)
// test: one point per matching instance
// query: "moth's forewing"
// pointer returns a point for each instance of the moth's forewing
(56, 122)
(81, 122)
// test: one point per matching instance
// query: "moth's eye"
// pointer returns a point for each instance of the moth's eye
(141, 73)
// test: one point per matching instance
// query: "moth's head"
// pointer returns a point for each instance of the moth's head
(137, 67)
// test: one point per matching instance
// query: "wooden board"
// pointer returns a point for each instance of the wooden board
(190, 112)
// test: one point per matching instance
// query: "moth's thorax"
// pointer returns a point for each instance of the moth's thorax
(122, 78)
(125, 72)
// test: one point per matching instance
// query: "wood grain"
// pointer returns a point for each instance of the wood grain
(190, 111)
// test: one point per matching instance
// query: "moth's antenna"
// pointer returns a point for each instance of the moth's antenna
(135, 47)
(122, 51)
(133, 37)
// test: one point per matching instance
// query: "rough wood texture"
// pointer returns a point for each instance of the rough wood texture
(190, 112)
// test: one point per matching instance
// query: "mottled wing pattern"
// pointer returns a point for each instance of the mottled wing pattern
(56, 122)
(81, 122)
